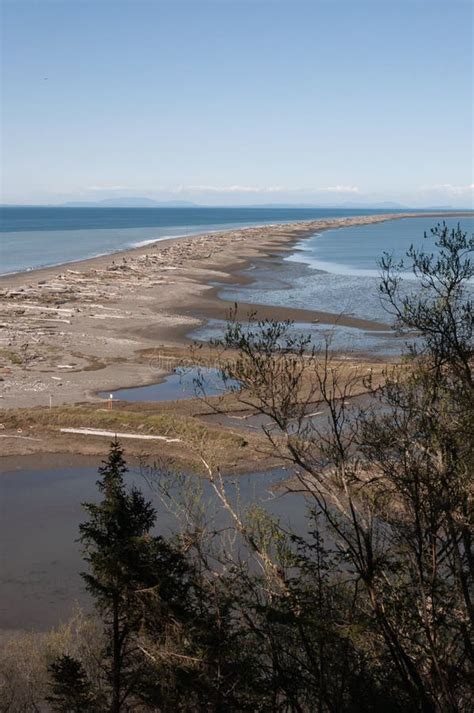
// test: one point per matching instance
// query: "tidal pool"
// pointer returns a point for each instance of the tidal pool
(183, 383)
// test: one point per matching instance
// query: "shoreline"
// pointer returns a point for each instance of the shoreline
(102, 301)
(11, 278)
(69, 333)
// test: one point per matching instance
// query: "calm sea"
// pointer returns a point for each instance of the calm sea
(357, 249)
(337, 271)
(32, 237)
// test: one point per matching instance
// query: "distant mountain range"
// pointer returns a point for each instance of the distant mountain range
(343, 206)
(128, 203)
(143, 202)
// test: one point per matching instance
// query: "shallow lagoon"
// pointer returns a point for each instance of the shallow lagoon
(356, 250)
(336, 271)
(182, 383)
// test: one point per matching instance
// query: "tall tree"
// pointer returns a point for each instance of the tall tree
(132, 575)
(172, 639)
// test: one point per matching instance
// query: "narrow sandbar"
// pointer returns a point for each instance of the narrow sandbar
(70, 331)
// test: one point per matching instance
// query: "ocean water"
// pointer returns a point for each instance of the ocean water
(336, 271)
(32, 237)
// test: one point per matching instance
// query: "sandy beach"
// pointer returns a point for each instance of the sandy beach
(122, 320)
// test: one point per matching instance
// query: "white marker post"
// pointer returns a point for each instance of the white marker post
(111, 398)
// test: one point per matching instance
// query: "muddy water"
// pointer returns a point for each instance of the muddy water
(40, 511)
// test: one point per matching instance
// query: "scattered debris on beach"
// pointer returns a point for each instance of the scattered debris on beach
(62, 327)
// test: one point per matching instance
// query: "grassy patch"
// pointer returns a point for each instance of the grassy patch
(11, 356)
(160, 424)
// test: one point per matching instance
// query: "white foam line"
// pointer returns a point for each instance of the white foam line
(227, 228)
(150, 241)
(198, 233)
(114, 434)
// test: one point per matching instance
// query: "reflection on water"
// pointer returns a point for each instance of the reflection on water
(183, 383)
(40, 511)
(296, 285)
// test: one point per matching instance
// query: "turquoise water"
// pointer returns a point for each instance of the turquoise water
(32, 237)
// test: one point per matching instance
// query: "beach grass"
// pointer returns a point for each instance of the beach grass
(195, 437)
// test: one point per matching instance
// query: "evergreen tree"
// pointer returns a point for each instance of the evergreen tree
(129, 569)
(71, 690)
(171, 643)
(381, 615)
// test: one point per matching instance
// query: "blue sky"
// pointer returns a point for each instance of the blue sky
(236, 101)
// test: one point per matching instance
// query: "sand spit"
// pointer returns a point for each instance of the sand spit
(67, 332)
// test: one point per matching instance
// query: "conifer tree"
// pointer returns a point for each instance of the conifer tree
(128, 569)
(70, 689)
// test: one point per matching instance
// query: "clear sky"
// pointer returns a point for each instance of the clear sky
(238, 101)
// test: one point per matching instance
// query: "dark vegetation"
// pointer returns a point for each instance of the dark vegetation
(371, 610)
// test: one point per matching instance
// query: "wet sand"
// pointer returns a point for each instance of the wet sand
(69, 332)
(100, 324)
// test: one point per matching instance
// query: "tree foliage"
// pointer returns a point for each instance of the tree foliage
(391, 481)
(371, 609)
(71, 690)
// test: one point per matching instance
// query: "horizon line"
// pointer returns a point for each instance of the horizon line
(189, 205)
